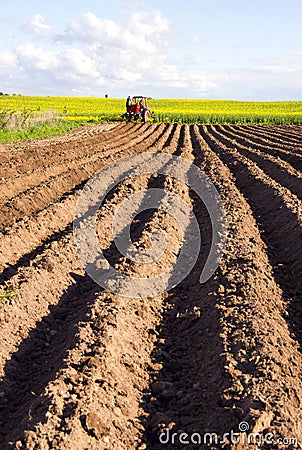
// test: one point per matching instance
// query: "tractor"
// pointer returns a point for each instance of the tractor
(138, 109)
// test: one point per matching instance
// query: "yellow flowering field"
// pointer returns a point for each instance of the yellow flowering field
(93, 109)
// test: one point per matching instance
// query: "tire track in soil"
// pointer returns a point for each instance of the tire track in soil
(274, 167)
(31, 341)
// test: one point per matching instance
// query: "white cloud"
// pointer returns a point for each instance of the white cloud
(94, 55)
(38, 28)
(79, 63)
(196, 39)
(31, 57)
(149, 24)
(107, 33)
(7, 60)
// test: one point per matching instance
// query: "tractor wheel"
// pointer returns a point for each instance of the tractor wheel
(145, 116)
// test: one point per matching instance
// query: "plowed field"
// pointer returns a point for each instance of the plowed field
(82, 368)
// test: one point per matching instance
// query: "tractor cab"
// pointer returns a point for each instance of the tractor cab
(139, 102)
(139, 108)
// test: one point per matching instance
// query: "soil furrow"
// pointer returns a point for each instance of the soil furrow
(293, 159)
(262, 308)
(11, 186)
(32, 341)
(62, 302)
(162, 141)
(252, 139)
(268, 135)
(82, 368)
(210, 379)
(29, 232)
(40, 391)
(37, 160)
(25, 157)
(279, 216)
(288, 133)
(275, 167)
(137, 375)
(77, 135)
(35, 199)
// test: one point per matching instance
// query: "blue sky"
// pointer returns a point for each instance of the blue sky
(194, 49)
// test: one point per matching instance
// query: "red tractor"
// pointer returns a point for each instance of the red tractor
(138, 108)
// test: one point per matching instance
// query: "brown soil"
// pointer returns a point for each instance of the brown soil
(82, 368)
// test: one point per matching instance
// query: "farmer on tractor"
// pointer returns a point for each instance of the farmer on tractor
(128, 104)
(137, 108)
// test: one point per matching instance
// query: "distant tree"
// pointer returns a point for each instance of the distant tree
(106, 95)
(1, 93)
